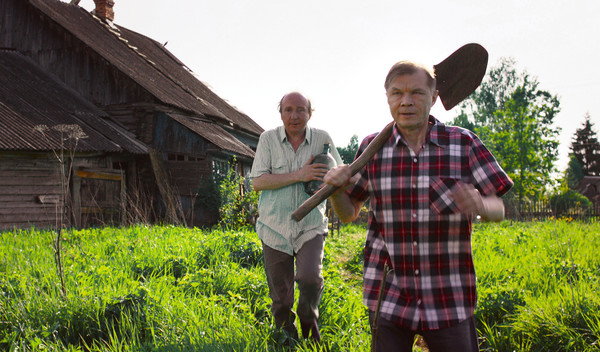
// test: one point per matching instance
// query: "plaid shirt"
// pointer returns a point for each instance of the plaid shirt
(415, 227)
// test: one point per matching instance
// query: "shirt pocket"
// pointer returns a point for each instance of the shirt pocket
(279, 166)
(440, 195)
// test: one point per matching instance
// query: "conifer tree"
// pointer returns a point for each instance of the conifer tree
(586, 148)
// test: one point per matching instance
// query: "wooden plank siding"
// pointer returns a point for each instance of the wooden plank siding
(22, 182)
(98, 197)
(30, 191)
(187, 176)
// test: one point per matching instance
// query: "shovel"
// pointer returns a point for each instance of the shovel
(456, 78)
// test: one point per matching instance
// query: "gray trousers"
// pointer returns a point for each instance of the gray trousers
(392, 338)
(279, 268)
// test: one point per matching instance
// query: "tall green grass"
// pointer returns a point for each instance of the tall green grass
(163, 288)
(155, 288)
(538, 285)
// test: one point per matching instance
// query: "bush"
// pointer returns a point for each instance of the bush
(569, 201)
(239, 201)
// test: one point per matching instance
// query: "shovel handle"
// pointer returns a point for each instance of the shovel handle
(355, 167)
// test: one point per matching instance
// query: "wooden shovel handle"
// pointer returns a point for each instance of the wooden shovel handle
(355, 167)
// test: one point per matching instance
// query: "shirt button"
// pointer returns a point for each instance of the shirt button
(415, 243)
(419, 302)
(414, 215)
(415, 160)
(414, 185)
(417, 272)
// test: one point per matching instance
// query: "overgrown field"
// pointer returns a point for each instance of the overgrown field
(164, 288)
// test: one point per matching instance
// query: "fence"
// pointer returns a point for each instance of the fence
(543, 210)
(514, 210)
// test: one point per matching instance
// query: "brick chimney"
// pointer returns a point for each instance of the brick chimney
(104, 10)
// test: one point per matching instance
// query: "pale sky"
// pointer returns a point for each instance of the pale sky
(338, 52)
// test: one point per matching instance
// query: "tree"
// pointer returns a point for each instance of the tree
(586, 148)
(347, 153)
(574, 172)
(478, 110)
(514, 118)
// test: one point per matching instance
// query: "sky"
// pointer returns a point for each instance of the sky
(338, 52)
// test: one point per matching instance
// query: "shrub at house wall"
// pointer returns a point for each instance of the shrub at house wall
(569, 201)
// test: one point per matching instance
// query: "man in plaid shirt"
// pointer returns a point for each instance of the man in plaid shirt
(425, 185)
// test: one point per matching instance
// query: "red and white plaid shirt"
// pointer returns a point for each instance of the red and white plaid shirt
(414, 225)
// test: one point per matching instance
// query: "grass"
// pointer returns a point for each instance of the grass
(155, 288)
(538, 285)
(164, 288)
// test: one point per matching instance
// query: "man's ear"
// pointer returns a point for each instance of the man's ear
(436, 93)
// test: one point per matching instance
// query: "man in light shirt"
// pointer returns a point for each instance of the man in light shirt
(281, 166)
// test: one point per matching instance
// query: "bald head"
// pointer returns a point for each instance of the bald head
(298, 97)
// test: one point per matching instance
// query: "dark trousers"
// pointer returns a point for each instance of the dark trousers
(459, 338)
(279, 268)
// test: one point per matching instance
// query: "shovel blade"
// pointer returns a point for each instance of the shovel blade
(460, 74)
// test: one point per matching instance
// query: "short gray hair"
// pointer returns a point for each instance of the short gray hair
(408, 68)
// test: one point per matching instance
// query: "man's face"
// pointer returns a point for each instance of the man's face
(410, 100)
(295, 113)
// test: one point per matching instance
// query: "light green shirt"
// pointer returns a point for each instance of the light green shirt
(275, 155)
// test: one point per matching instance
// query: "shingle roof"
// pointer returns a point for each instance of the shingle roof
(29, 97)
(214, 134)
(148, 63)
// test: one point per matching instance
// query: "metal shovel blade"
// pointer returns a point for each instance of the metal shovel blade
(460, 74)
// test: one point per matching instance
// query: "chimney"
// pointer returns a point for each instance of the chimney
(104, 10)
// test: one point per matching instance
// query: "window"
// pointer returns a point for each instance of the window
(220, 167)
(183, 157)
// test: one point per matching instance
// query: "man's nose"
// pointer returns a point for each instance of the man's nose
(406, 100)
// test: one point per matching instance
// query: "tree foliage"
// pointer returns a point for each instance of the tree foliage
(574, 172)
(568, 201)
(586, 148)
(348, 152)
(514, 118)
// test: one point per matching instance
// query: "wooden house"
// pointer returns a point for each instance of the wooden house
(589, 186)
(152, 127)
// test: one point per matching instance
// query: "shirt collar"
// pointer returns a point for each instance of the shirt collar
(283, 136)
(436, 134)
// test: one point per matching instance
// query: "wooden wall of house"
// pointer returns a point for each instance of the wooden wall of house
(192, 182)
(56, 50)
(184, 154)
(30, 191)
(188, 168)
(31, 195)
(137, 118)
(172, 137)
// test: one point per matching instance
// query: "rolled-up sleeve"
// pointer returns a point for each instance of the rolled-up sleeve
(262, 157)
